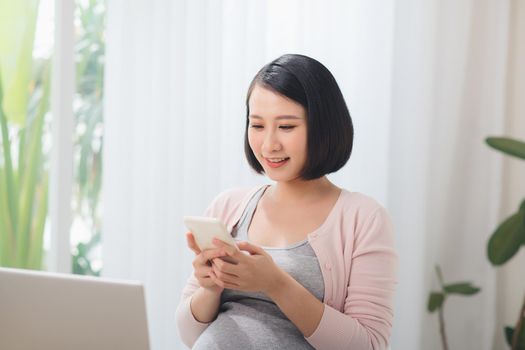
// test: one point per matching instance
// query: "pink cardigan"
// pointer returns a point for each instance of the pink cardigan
(355, 249)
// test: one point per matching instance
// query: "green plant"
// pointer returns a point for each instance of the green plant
(506, 241)
(24, 102)
(88, 144)
(81, 263)
(436, 300)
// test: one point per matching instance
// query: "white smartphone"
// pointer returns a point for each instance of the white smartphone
(204, 229)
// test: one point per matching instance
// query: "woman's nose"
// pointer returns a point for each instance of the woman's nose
(271, 143)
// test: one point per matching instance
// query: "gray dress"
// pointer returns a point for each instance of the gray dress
(251, 320)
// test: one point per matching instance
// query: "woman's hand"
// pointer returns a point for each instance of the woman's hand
(256, 272)
(202, 267)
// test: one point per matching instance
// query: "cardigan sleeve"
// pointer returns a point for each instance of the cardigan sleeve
(365, 322)
(189, 328)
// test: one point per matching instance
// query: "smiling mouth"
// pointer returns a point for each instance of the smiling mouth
(276, 162)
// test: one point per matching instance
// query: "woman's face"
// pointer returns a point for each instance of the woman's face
(277, 134)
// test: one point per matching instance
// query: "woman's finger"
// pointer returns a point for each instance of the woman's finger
(230, 250)
(203, 272)
(224, 277)
(191, 243)
(226, 267)
(250, 248)
(210, 254)
(222, 283)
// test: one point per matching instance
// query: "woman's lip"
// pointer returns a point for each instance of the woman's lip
(276, 165)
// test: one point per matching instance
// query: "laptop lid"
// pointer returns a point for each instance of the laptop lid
(51, 311)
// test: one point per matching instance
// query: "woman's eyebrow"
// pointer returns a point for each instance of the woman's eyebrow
(279, 117)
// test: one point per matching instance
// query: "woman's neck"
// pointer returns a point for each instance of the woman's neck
(300, 191)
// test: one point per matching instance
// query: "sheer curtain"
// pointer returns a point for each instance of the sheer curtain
(425, 82)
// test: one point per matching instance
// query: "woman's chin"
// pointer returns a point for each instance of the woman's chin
(279, 177)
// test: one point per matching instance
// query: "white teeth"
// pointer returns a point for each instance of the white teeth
(277, 160)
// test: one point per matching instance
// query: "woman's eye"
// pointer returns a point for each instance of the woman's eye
(282, 127)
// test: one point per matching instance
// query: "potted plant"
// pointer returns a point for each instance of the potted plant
(509, 237)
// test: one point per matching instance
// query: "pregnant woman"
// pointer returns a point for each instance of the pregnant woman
(315, 265)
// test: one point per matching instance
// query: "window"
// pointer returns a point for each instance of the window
(26, 140)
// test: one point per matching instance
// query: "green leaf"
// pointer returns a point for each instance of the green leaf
(81, 262)
(435, 300)
(37, 232)
(12, 197)
(521, 336)
(31, 177)
(506, 241)
(522, 207)
(17, 33)
(522, 211)
(507, 145)
(6, 231)
(21, 153)
(509, 331)
(464, 288)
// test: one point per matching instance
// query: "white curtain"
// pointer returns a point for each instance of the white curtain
(425, 82)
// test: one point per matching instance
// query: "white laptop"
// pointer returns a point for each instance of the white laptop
(51, 311)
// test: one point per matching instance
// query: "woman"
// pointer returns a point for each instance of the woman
(316, 266)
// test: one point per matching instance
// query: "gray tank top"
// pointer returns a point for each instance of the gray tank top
(249, 320)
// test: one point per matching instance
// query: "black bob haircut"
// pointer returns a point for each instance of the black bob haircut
(329, 125)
